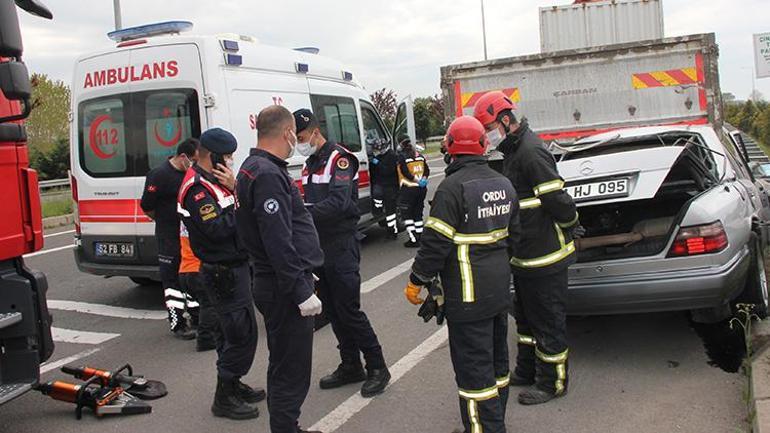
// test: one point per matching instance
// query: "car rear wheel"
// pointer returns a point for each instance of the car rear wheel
(756, 291)
(142, 281)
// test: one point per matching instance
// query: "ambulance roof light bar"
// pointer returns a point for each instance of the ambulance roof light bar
(148, 30)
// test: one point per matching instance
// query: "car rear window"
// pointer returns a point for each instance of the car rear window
(129, 134)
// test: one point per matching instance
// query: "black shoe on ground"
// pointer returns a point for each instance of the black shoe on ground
(517, 380)
(343, 375)
(249, 394)
(411, 244)
(535, 395)
(376, 382)
(185, 333)
(228, 404)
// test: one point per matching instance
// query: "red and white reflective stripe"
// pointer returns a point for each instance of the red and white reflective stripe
(326, 175)
(112, 211)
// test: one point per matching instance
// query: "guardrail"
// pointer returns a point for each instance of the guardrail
(54, 190)
(55, 183)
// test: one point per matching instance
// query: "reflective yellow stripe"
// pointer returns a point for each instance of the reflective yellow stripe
(571, 223)
(481, 238)
(473, 417)
(526, 339)
(545, 260)
(559, 358)
(530, 203)
(466, 273)
(545, 188)
(504, 381)
(480, 394)
(560, 234)
(561, 377)
(440, 226)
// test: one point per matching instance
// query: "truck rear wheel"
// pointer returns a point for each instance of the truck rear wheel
(756, 290)
(142, 281)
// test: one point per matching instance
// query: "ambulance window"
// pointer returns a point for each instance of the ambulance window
(373, 129)
(168, 122)
(101, 135)
(338, 120)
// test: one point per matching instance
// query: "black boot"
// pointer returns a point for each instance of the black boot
(343, 375)
(376, 381)
(535, 395)
(249, 394)
(228, 404)
(517, 380)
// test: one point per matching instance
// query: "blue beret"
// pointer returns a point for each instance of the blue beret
(303, 118)
(217, 140)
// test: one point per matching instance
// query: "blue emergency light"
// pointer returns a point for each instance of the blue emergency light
(347, 76)
(228, 45)
(233, 59)
(147, 30)
(302, 68)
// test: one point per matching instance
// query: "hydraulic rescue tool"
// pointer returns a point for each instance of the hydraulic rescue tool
(123, 377)
(102, 400)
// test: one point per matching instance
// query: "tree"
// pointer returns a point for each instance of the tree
(49, 121)
(386, 103)
(53, 163)
(429, 117)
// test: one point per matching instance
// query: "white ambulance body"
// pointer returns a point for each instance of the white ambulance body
(133, 104)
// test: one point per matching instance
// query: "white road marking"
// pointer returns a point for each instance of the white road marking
(48, 366)
(81, 337)
(355, 403)
(436, 175)
(107, 310)
(377, 281)
(58, 234)
(52, 250)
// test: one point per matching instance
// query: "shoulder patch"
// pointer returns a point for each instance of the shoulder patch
(199, 196)
(343, 163)
(207, 209)
(271, 206)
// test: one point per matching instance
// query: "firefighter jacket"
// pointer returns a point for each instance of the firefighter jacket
(330, 184)
(385, 172)
(548, 213)
(207, 210)
(412, 167)
(472, 230)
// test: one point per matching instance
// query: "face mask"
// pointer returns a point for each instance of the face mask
(292, 145)
(229, 163)
(305, 149)
(495, 137)
(186, 163)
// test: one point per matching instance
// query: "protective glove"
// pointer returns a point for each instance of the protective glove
(375, 161)
(412, 293)
(432, 307)
(423, 182)
(578, 231)
(311, 307)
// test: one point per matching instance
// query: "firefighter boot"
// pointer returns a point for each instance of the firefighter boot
(534, 395)
(343, 375)
(248, 394)
(517, 380)
(376, 381)
(228, 404)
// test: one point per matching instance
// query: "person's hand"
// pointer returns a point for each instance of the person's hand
(224, 176)
(578, 231)
(311, 307)
(423, 182)
(412, 293)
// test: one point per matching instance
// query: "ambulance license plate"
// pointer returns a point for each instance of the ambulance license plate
(114, 249)
(599, 190)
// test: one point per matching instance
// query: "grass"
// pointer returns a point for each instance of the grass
(57, 208)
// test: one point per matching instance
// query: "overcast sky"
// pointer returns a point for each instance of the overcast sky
(398, 44)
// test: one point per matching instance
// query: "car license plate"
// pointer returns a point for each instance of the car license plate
(599, 190)
(114, 249)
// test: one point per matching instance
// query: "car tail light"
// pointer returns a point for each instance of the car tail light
(705, 239)
(74, 190)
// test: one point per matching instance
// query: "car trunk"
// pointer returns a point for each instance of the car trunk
(661, 174)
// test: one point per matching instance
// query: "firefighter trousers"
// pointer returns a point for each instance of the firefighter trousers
(290, 346)
(411, 201)
(229, 290)
(541, 324)
(339, 288)
(479, 353)
(177, 300)
(206, 319)
(385, 200)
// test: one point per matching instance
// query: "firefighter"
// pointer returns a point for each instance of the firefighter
(330, 182)
(159, 203)
(207, 206)
(473, 227)
(383, 169)
(283, 248)
(413, 173)
(550, 224)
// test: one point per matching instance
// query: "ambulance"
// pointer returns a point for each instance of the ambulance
(132, 104)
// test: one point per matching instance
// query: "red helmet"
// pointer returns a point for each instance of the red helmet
(466, 136)
(489, 106)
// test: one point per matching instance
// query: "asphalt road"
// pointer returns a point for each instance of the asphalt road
(641, 373)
